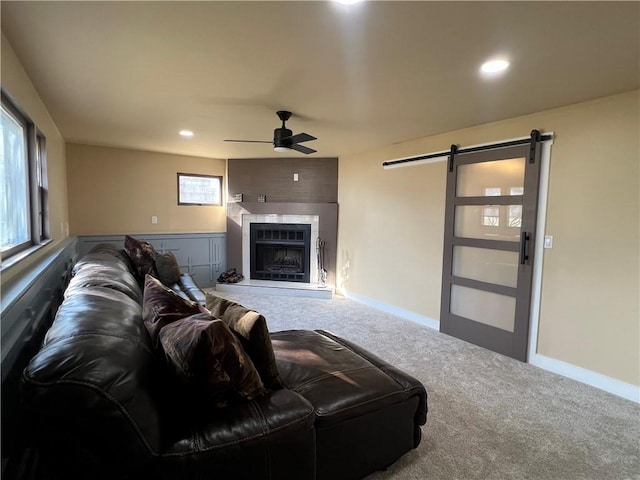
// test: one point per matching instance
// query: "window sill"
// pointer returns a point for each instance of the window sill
(13, 260)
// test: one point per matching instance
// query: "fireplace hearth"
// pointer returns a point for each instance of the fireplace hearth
(280, 252)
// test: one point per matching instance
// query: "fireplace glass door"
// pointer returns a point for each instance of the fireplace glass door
(280, 251)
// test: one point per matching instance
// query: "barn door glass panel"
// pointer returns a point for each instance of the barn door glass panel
(486, 265)
(490, 178)
(485, 307)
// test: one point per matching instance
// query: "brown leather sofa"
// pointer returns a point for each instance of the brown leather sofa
(101, 405)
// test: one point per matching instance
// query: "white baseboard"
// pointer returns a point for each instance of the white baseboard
(603, 382)
(399, 312)
(597, 380)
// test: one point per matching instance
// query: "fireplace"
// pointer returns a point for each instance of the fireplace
(285, 247)
(280, 252)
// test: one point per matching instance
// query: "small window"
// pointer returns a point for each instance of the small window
(24, 218)
(195, 189)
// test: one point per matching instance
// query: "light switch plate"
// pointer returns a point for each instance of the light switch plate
(548, 241)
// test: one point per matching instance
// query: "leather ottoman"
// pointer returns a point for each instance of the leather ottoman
(368, 413)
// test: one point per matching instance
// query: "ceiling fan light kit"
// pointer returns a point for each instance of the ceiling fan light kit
(283, 138)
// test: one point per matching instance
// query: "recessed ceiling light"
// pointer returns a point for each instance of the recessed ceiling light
(494, 66)
(186, 133)
(348, 2)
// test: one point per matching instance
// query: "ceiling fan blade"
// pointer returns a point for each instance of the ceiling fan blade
(302, 148)
(249, 141)
(300, 137)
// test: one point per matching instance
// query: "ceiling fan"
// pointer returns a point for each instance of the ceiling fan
(283, 138)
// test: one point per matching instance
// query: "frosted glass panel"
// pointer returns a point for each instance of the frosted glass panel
(493, 266)
(489, 222)
(500, 177)
(484, 307)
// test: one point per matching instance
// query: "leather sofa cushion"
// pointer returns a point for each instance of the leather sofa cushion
(410, 385)
(105, 253)
(339, 383)
(209, 360)
(98, 311)
(251, 328)
(108, 275)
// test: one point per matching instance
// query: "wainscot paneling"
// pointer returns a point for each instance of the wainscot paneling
(30, 301)
(202, 255)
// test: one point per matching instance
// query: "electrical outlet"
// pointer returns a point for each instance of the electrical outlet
(295, 177)
(154, 219)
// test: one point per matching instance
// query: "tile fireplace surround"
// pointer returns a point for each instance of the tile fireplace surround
(312, 289)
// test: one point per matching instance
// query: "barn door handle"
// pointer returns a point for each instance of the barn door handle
(524, 239)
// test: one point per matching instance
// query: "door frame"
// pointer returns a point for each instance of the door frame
(536, 281)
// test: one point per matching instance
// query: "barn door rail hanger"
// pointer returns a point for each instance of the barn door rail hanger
(446, 155)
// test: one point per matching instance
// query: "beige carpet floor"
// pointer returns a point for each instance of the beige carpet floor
(490, 417)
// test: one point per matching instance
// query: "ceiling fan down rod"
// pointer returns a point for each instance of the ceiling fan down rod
(283, 115)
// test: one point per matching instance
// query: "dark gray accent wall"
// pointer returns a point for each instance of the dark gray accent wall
(273, 177)
(315, 193)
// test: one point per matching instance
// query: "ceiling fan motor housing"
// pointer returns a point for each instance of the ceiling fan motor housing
(282, 137)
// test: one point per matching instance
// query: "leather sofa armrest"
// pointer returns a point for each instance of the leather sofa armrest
(191, 288)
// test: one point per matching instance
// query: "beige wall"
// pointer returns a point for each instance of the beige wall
(391, 230)
(18, 85)
(117, 191)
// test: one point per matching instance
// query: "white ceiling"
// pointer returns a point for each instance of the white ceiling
(132, 74)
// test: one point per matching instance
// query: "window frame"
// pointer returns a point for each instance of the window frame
(210, 182)
(36, 179)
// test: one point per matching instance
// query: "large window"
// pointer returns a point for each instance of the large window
(23, 182)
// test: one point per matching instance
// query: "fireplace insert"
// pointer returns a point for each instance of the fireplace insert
(280, 251)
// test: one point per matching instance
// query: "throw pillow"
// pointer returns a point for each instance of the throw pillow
(161, 306)
(142, 256)
(208, 359)
(251, 329)
(167, 268)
